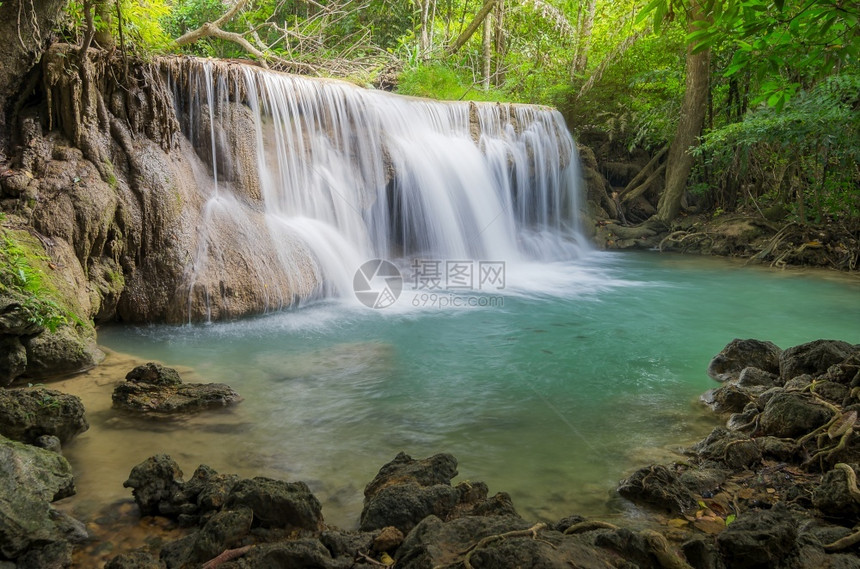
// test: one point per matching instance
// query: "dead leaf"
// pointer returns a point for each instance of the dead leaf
(677, 523)
(711, 526)
(843, 425)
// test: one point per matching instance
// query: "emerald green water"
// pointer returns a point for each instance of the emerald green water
(588, 370)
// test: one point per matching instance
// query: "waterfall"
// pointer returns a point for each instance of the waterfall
(340, 175)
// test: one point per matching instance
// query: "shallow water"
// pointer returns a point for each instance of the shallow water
(587, 370)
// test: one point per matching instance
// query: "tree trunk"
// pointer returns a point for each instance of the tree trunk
(680, 161)
(488, 53)
(26, 31)
(499, 44)
(105, 11)
(583, 42)
(424, 34)
(472, 27)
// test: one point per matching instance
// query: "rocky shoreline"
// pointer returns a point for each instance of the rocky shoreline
(775, 487)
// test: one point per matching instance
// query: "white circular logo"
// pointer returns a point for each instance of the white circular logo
(377, 283)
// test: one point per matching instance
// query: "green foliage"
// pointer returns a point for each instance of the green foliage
(437, 81)
(804, 154)
(18, 275)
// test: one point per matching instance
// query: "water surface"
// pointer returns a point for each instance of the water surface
(578, 373)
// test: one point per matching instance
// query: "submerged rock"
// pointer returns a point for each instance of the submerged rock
(158, 389)
(740, 354)
(28, 413)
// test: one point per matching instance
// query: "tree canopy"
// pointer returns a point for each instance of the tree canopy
(779, 79)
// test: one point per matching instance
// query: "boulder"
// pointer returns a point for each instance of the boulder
(154, 482)
(789, 414)
(404, 505)
(813, 358)
(739, 354)
(154, 374)
(28, 413)
(31, 531)
(223, 530)
(727, 399)
(659, 487)
(832, 497)
(277, 504)
(158, 389)
(405, 491)
(68, 349)
(302, 553)
(437, 469)
(755, 377)
(734, 449)
(759, 539)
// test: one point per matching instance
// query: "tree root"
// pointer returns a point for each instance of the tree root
(227, 555)
(851, 479)
(659, 546)
(532, 532)
(588, 525)
(843, 543)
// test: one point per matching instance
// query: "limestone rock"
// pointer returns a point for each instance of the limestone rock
(154, 483)
(277, 504)
(791, 415)
(158, 389)
(659, 487)
(813, 358)
(31, 531)
(28, 413)
(740, 354)
(759, 538)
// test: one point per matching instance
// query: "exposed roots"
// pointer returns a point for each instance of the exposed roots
(227, 555)
(530, 532)
(588, 525)
(659, 546)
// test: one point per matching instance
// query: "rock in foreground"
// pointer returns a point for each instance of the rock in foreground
(32, 533)
(152, 388)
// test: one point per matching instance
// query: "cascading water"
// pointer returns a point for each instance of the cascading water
(341, 175)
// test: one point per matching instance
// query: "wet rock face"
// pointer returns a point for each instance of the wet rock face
(28, 413)
(740, 354)
(158, 389)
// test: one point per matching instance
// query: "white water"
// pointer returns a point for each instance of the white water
(346, 175)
